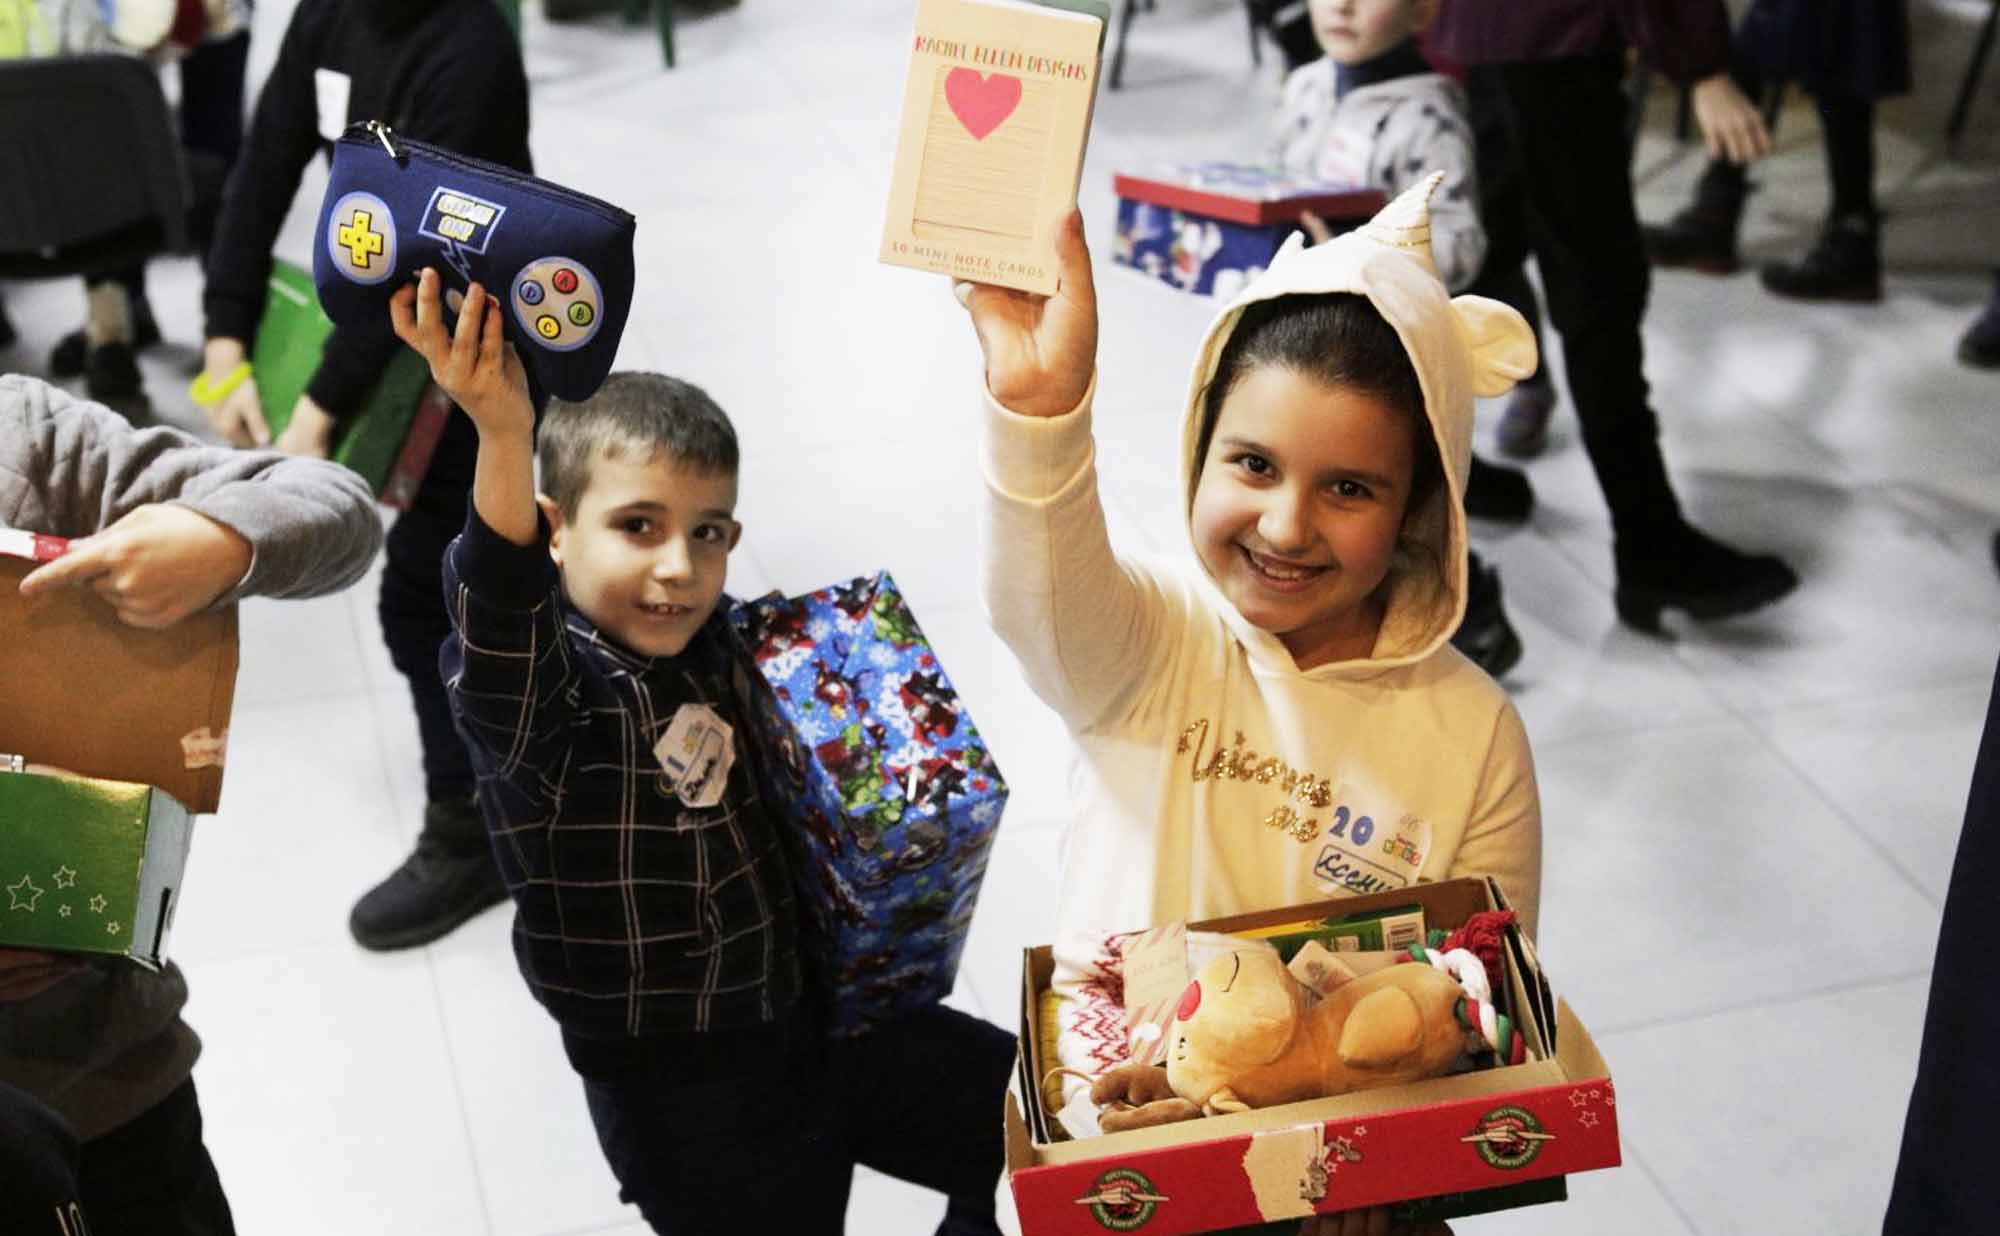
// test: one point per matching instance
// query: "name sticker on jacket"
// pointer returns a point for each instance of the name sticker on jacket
(697, 752)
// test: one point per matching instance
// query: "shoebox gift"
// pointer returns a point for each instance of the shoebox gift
(111, 739)
(1533, 1103)
(390, 441)
(902, 796)
(1210, 228)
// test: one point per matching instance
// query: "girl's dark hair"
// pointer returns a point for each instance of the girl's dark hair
(643, 413)
(1341, 340)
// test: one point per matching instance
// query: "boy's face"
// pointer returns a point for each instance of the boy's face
(1350, 31)
(646, 556)
(1299, 506)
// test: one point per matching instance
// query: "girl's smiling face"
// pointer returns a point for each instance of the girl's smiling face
(1299, 505)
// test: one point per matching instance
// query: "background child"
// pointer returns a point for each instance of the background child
(169, 527)
(1287, 721)
(446, 72)
(1374, 112)
(656, 918)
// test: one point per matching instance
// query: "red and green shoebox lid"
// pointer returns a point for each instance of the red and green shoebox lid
(1437, 1149)
(137, 721)
(1246, 194)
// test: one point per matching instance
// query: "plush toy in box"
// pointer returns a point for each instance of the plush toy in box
(1356, 1079)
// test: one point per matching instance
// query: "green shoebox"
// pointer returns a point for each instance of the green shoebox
(124, 732)
(390, 441)
(89, 865)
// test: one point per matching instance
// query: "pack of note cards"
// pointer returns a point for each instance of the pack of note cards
(995, 116)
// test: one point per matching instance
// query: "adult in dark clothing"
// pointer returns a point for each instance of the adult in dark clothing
(37, 1168)
(1544, 81)
(1941, 1186)
(1847, 54)
(446, 72)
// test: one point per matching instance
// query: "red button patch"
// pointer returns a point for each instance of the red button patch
(565, 280)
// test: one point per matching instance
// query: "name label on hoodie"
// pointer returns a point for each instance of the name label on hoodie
(1362, 852)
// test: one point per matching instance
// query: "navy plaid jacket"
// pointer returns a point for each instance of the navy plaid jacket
(635, 914)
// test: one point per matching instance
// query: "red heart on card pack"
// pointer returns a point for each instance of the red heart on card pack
(981, 100)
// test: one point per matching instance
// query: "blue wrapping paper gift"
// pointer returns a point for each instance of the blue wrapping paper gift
(901, 795)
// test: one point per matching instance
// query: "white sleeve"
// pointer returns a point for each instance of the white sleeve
(1086, 626)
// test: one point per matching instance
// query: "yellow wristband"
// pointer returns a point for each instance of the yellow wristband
(208, 395)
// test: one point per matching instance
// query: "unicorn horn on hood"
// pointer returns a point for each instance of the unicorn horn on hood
(1405, 223)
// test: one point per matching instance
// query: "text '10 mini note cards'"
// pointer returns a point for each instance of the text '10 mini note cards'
(995, 116)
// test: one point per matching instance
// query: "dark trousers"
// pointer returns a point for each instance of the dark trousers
(1943, 1184)
(1556, 181)
(759, 1130)
(411, 606)
(1847, 129)
(153, 1176)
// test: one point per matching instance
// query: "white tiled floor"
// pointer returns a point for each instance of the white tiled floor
(1749, 828)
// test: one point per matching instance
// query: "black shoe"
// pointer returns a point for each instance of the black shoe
(445, 882)
(71, 355)
(1524, 427)
(111, 373)
(1845, 263)
(1980, 346)
(1494, 492)
(1684, 568)
(1485, 636)
(1703, 235)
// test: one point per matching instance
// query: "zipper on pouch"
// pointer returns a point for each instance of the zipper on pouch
(374, 132)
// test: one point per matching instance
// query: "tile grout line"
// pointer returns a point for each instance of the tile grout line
(1882, 852)
(1638, 1160)
(458, 1091)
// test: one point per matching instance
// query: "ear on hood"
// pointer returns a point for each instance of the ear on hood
(1499, 341)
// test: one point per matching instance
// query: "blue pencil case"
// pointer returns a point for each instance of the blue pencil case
(560, 262)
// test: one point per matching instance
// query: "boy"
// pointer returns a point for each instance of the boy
(1374, 112)
(169, 527)
(655, 914)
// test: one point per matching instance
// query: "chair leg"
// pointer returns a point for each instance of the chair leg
(663, 18)
(662, 13)
(1973, 71)
(1118, 52)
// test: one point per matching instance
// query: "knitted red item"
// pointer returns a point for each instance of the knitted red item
(1481, 936)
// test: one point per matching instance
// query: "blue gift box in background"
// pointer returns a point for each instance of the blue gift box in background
(1211, 228)
(901, 795)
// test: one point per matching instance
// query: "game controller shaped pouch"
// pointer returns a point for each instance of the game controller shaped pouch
(559, 262)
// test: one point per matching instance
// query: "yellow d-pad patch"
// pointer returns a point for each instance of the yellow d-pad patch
(362, 242)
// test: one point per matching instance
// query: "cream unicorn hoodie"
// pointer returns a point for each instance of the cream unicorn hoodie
(1212, 775)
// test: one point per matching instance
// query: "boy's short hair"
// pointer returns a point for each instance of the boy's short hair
(644, 413)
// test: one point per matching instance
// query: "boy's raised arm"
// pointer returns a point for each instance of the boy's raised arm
(483, 375)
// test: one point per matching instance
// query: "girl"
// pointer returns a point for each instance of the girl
(1282, 719)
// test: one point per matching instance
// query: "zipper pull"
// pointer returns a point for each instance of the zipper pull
(383, 133)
